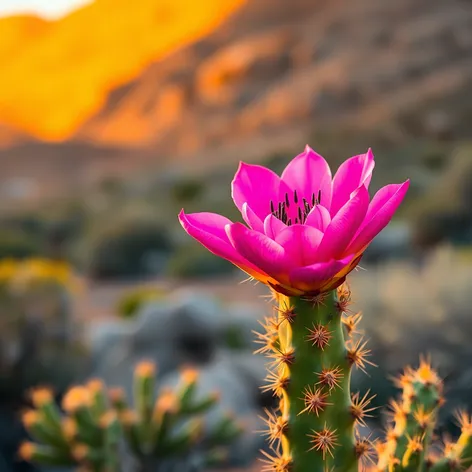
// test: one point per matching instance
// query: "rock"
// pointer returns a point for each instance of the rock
(238, 325)
(105, 335)
(180, 330)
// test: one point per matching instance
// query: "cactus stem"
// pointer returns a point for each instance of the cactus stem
(276, 383)
(351, 322)
(316, 300)
(357, 354)
(360, 407)
(331, 377)
(283, 356)
(286, 313)
(280, 462)
(319, 336)
(324, 441)
(276, 427)
(365, 451)
(315, 401)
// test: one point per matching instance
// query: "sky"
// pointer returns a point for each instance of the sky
(46, 8)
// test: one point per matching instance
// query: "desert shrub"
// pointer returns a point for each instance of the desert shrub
(444, 212)
(187, 190)
(127, 248)
(130, 303)
(193, 261)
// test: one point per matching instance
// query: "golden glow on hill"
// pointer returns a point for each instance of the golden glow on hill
(57, 74)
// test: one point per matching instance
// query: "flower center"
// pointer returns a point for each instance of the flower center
(292, 211)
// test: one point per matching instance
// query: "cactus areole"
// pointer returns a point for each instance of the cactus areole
(305, 232)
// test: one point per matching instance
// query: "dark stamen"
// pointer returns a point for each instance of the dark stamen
(319, 197)
(286, 200)
(272, 209)
(295, 197)
(299, 213)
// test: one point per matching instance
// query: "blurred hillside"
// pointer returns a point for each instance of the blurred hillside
(56, 74)
(272, 76)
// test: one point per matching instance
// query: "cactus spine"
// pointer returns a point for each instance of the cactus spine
(313, 346)
(413, 420)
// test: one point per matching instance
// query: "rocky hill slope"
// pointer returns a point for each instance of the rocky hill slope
(273, 74)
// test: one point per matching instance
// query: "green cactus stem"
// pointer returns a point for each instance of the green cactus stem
(313, 352)
(457, 456)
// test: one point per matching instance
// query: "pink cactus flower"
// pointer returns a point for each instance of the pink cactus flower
(305, 230)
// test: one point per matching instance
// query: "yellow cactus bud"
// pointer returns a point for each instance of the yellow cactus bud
(80, 452)
(95, 385)
(30, 418)
(41, 396)
(128, 417)
(26, 450)
(145, 369)
(116, 394)
(107, 418)
(76, 398)
(167, 402)
(69, 428)
(189, 375)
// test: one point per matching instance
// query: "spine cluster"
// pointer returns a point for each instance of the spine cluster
(313, 344)
(410, 434)
(96, 423)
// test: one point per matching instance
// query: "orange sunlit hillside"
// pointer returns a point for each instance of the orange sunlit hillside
(56, 74)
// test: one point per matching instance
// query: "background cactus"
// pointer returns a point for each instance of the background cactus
(98, 425)
(409, 437)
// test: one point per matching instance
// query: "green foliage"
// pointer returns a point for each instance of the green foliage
(192, 261)
(97, 420)
(130, 303)
(131, 247)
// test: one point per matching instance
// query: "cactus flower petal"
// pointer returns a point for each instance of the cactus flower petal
(252, 220)
(257, 186)
(259, 250)
(380, 212)
(306, 231)
(353, 173)
(309, 174)
(300, 243)
(344, 225)
(318, 217)
(273, 226)
(209, 230)
(312, 277)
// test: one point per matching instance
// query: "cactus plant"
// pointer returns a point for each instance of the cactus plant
(310, 374)
(306, 232)
(98, 424)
